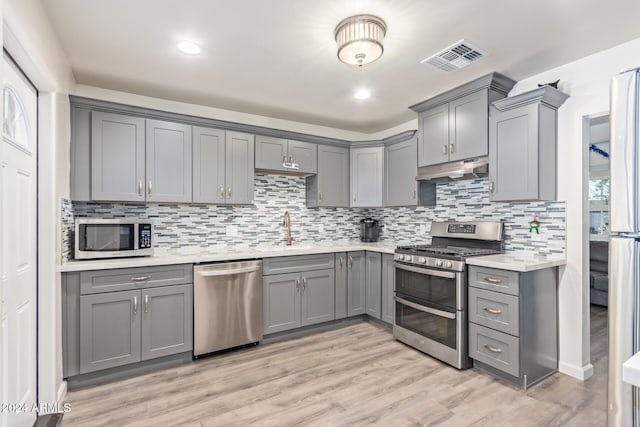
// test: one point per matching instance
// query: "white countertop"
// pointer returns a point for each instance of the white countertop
(516, 261)
(223, 254)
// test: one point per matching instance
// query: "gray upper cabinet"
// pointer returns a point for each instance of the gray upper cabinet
(522, 147)
(167, 321)
(367, 176)
(356, 283)
(208, 165)
(330, 187)
(223, 168)
(277, 154)
(388, 284)
(117, 157)
(400, 170)
(454, 125)
(109, 330)
(168, 165)
(239, 172)
(373, 284)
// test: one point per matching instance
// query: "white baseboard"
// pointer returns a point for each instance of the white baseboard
(62, 392)
(580, 372)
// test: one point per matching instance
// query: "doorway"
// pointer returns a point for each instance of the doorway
(18, 227)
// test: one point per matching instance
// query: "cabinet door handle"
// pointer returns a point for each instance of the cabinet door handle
(290, 159)
(284, 159)
(228, 192)
(350, 262)
(150, 187)
(354, 196)
(492, 349)
(221, 191)
(492, 280)
(140, 278)
(298, 284)
(451, 148)
(341, 262)
(304, 284)
(491, 186)
(320, 196)
(492, 310)
(146, 303)
(140, 188)
(414, 194)
(135, 305)
(444, 149)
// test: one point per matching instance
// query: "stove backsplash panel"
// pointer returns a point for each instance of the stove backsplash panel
(206, 226)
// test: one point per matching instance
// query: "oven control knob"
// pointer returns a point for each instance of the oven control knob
(401, 257)
(449, 264)
(423, 260)
(439, 263)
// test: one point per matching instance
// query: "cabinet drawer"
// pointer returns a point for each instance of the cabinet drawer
(494, 310)
(494, 279)
(297, 263)
(123, 279)
(495, 348)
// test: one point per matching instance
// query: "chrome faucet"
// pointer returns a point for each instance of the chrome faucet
(287, 223)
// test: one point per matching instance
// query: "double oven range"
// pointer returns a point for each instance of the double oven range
(431, 288)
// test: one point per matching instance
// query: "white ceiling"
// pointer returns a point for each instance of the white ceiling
(278, 57)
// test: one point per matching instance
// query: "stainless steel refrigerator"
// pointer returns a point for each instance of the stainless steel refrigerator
(624, 246)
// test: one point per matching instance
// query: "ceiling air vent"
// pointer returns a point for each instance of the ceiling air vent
(456, 56)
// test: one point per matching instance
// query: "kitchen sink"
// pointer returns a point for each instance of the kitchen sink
(284, 248)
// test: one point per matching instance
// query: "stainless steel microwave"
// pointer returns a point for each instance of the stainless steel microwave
(113, 238)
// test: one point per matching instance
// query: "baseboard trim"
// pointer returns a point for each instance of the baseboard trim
(580, 372)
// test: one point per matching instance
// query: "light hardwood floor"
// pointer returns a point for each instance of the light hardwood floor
(357, 375)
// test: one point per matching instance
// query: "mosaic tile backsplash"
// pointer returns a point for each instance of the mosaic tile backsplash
(180, 226)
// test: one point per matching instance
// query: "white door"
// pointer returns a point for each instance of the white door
(18, 221)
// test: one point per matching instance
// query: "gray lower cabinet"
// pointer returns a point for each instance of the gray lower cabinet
(117, 156)
(298, 291)
(522, 146)
(341, 284)
(400, 170)
(513, 326)
(373, 284)
(168, 162)
(277, 154)
(356, 283)
(118, 317)
(388, 285)
(223, 168)
(367, 176)
(330, 187)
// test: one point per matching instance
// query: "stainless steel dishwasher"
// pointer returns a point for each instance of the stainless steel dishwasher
(227, 308)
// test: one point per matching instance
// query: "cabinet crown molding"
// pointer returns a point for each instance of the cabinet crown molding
(494, 81)
(547, 95)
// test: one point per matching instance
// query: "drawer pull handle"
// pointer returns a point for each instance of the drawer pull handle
(492, 349)
(135, 305)
(492, 280)
(140, 278)
(492, 310)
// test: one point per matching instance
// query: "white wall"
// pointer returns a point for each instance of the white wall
(587, 82)
(31, 40)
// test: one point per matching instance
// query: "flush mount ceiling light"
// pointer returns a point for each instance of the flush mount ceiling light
(190, 48)
(359, 39)
(362, 94)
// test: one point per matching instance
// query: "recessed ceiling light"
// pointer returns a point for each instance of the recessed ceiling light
(189, 48)
(362, 94)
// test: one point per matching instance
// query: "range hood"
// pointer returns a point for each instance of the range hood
(455, 171)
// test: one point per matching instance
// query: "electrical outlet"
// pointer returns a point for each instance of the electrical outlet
(422, 230)
(320, 228)
(232, 230)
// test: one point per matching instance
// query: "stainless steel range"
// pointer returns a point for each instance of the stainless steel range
(431, 288)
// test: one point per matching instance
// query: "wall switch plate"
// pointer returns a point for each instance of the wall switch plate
(422, 230)
(320, 228)
(232, 230)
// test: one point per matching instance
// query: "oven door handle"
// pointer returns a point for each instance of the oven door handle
(429, 310)
(428, 271)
